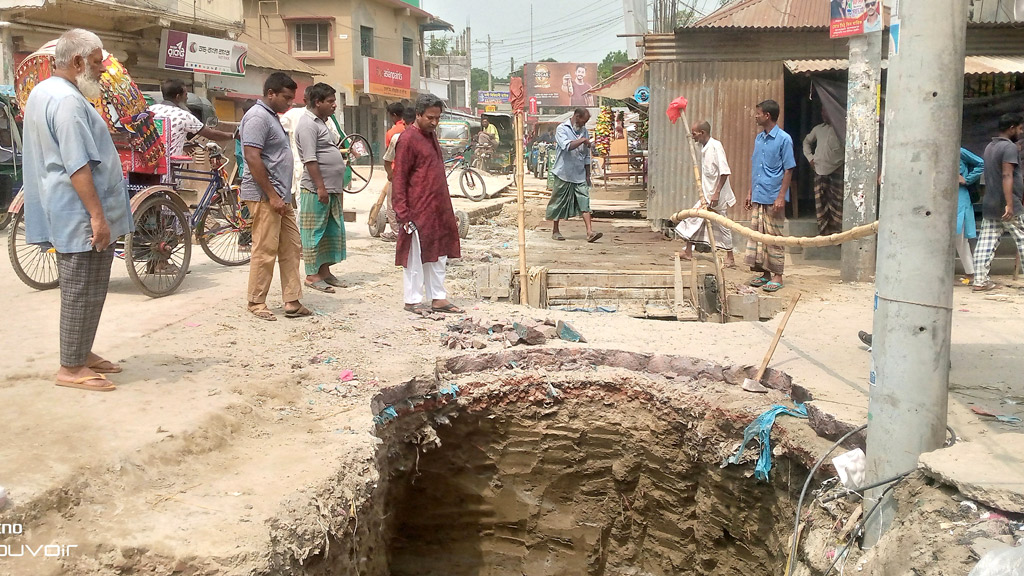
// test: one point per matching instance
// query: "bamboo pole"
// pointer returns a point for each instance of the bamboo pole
(521, 201)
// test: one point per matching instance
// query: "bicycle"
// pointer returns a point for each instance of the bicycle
(471, 181)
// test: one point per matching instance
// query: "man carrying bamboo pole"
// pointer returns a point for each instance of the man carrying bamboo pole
(717, 196)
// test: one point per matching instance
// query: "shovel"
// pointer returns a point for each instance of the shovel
(754, 385)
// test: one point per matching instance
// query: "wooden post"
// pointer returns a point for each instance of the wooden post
(521, 202)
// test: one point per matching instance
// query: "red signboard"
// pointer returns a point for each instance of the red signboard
(533, 105)
(386, 78)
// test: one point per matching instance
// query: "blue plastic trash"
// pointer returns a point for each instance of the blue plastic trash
(761, 427)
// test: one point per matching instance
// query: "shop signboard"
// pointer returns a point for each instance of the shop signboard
(386, 78)
(492, 96)
(854, 17)
(560, 83)
(189, 52)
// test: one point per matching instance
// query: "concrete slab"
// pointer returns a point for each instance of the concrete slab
(988, 470)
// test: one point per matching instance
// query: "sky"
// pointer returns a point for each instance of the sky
(566, 30)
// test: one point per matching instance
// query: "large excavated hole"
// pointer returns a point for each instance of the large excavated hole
(555, 464)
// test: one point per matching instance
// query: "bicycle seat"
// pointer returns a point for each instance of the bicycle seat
(181, 159)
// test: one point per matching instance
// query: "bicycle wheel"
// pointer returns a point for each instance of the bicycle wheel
(472, 184)
(34, 265)
(157, 254)
(358, 162)
(225, 230)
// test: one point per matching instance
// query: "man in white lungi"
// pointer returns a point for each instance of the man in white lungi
(718, 196)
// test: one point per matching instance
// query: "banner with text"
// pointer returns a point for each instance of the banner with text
(492, 96)
(854, 17)
(387, 78)
(195, 53)
(560, 83)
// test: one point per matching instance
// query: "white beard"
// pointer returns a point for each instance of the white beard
(90, 87)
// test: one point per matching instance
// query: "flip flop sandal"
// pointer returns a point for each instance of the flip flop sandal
(594, 237)
(264, 314)
(320, 286)
(772, 287)
(416, 308)
(990, 285)
(80, 383)
(557, 236)
(298, 312)
(334, 281)
(105, 367)
(759, 281)
(448, 309)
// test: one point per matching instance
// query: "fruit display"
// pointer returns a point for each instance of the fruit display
(641, 131)
(603, 131)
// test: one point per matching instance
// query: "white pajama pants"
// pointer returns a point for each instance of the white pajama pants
(423, 279)
(963, 250)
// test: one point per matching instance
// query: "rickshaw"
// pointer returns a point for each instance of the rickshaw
(157, 254)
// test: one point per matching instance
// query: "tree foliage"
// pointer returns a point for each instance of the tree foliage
(438, 46)
(605, 68)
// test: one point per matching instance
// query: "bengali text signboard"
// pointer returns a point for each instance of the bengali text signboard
(196, 53)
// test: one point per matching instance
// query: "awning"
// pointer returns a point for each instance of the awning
(622, 84)
(972, 65)
(264, 55)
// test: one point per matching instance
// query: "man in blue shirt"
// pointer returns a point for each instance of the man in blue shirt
(570, 195)
(75, 200)
(771, 171)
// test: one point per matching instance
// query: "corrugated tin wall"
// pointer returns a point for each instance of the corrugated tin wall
(724, 94)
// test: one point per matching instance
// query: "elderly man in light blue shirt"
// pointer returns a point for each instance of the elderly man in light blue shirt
(75, 200)
(771, 172)
(570, 195)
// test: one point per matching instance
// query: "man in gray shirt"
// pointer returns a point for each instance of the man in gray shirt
(323, 182)
(827, 153)
(1001, 205)
(267, 192)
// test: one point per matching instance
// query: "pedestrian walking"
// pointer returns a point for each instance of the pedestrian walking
(1001, 208)
(827, 155)
(971, 170)
(570, 195)
(267, 192)
(771, 173)
(321, 222)
(717, 196)
(429, 231)
(75, 200)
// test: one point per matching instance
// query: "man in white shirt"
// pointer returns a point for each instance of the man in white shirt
(717, 196)
(180, 120)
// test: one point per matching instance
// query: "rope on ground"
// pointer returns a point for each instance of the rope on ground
(803, 241)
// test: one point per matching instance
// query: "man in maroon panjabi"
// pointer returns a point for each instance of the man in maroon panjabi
(429, 232)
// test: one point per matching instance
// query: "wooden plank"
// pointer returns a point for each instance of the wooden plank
(617, 272)
(607, 280)
(537, 287)
(693, 289)
(592, 293)
(634, 308)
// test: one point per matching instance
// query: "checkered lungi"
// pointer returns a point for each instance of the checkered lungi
(988, 241)
(828, 201)
(322, 229)
(84, 277)
(766, 257)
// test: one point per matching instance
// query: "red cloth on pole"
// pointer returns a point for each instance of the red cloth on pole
(419, 193)
(676, 108)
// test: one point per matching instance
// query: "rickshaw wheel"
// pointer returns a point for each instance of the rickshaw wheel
(35, 266)
(463, 220)
(157, 254)
(358, 161)
(225, 231)
(379, 224)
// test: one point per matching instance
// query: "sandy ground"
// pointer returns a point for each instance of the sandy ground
(219, 417)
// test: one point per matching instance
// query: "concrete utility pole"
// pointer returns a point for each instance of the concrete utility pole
(860, 192)
(908, 402)
(490, 77)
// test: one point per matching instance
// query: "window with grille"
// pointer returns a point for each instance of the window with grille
(407, 51)
(366, 41)
(312, 37)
